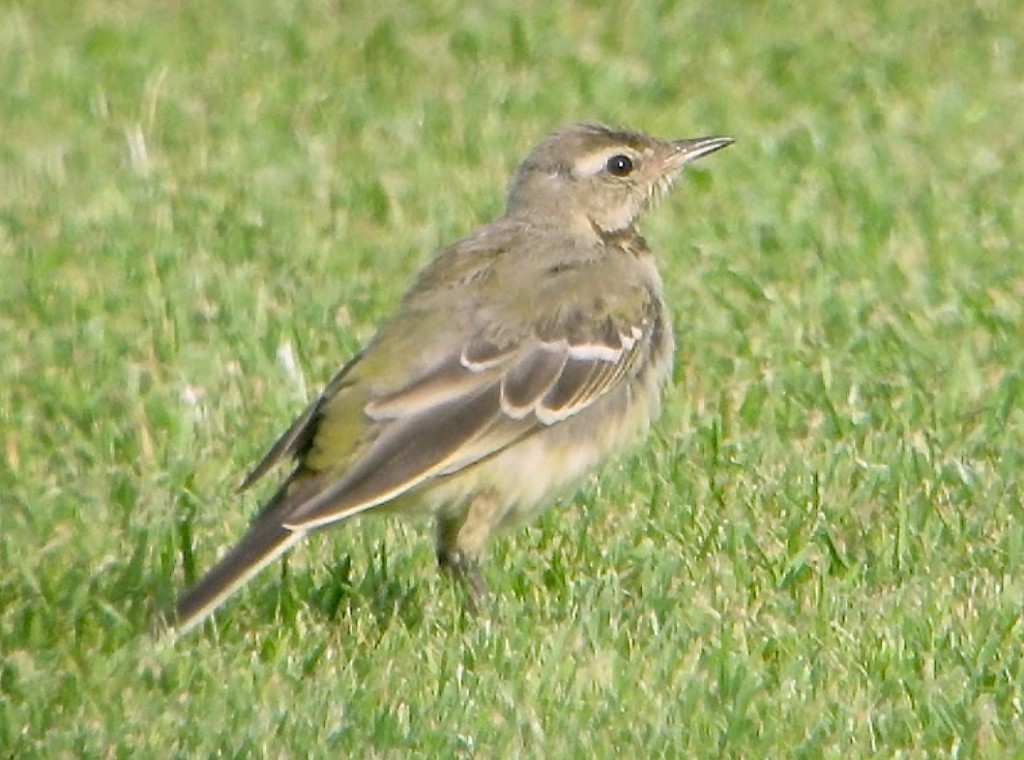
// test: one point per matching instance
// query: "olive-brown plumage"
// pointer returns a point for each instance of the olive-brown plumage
(519, 358)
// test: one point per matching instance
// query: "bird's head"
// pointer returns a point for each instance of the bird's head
(591, 175)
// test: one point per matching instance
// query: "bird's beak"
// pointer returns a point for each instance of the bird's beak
(687, 151)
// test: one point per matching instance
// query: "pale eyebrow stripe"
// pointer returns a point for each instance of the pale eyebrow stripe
(594, 162)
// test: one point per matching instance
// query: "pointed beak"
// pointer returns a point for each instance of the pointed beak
(687, 151)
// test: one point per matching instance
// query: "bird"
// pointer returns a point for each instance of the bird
(520, 357)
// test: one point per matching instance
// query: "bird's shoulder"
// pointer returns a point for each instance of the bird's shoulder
(504, 288)
(510, 271)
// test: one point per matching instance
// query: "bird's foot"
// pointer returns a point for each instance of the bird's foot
(467, 573)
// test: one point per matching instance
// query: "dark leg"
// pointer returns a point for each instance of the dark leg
(460, 541)
(467, 573)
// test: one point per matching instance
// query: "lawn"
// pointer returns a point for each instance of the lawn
(205, 208)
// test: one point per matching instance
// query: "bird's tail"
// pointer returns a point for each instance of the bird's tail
(265, 542)
(267, 539)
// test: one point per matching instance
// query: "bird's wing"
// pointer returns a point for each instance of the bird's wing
(468, 407)
(297, 437)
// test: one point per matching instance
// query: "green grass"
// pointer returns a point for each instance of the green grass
(819, 553)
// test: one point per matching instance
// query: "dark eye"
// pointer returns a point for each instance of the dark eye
(619, 165)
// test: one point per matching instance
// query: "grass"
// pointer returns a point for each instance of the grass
(819, 552)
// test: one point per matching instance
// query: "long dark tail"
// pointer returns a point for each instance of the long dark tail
(265, 542)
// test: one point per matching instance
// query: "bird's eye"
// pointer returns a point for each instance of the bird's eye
(619, 165)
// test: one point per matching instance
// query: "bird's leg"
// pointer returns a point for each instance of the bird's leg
(460, 541)
(466, 571)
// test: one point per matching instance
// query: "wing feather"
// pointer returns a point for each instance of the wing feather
(532, 376)
(299, 434)
(407, 453)
(447, 382)
(476, 402)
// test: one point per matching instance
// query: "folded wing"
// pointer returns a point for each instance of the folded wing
(469, 407)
